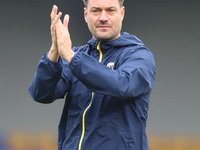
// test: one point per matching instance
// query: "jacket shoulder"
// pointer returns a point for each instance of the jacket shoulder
(81, 48)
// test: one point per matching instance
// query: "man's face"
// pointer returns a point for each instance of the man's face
(104, 19)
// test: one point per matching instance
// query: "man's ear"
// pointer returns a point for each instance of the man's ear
(85, 14)
(122, 12)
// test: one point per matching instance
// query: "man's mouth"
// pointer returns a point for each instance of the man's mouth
(103, 26)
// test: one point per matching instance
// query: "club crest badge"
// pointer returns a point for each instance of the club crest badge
(110, 65)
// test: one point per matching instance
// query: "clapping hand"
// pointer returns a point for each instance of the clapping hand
(61, 42)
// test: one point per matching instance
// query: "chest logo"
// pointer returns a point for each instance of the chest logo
(110, 65)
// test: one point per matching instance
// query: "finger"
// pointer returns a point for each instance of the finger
(54, 24)
(66, 22)
(58, 24)
(57, 18)
(54, 13)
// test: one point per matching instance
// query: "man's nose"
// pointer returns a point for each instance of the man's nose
(103, 16)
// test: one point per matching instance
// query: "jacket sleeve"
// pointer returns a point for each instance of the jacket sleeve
(133, 77)
(49, 83)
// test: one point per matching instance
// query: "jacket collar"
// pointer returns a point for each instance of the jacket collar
(125, 39)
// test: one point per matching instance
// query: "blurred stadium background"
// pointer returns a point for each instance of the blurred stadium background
(170, 29)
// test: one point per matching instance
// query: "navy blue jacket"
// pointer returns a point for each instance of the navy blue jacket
(107, 86)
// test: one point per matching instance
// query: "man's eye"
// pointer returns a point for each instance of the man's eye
(111, 10)
(95, 10)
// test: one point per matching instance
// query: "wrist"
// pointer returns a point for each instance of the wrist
(53, 54)
(70, 56)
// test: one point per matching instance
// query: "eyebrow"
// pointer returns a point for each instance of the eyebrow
(94, 7)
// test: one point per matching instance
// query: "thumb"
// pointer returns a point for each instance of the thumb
(66, 22)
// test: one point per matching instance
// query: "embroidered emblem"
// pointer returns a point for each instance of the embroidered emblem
(110, 65)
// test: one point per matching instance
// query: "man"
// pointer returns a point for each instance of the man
(108, 81)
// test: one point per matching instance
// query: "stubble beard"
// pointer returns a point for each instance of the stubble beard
(104, 35)
(108, 37)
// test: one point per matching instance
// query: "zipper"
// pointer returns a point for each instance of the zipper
(84, 113)
(83, 123)
(100, 52)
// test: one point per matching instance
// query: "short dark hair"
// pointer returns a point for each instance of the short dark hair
(121, 2)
